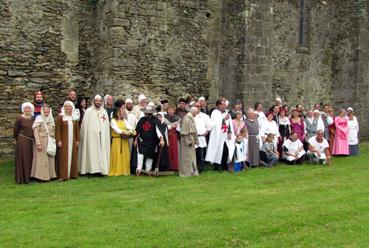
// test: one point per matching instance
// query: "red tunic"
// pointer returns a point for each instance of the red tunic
(173, 149)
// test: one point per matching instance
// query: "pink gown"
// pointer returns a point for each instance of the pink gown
(340, 144)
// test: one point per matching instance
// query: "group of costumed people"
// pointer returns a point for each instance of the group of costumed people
(118, 138)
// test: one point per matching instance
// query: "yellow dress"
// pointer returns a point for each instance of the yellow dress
(119, 154)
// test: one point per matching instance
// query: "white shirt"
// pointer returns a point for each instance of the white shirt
(131, 120)
(240, 152)
(114, 126)
(269, 127)
(353, 132)
(261, 118)
(203, 125)
(293, 147)
(318, 146)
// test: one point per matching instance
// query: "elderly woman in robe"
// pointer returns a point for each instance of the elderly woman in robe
(23, 134)
(67, 137)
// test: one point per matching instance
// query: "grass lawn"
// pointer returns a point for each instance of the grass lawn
(285, 206)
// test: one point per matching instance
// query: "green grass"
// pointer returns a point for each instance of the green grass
(286, 206)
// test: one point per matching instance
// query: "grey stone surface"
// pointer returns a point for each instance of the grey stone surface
(239, 49)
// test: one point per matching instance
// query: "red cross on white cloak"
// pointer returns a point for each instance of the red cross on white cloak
(225, 127)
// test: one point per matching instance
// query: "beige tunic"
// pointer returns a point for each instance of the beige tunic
(43, 165)
(188, 166)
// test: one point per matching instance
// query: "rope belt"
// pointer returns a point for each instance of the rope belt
(26, 137)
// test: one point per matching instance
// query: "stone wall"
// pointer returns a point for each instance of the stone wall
(39, 48)
(239, 49)
(154, 47)
(331, 66)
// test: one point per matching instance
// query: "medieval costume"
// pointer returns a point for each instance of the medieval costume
(332, 131)
(162, 156)
(317, 150)
(23, 133)
(67, 132)
(147, 137)
(120, 151)
(81, 109)
(172, 122)
(188, 166)
(94, 152)
(340, 145)
(38, 102)
(298, 126)
(252, 126)
(353, 139)
(221, 142)
(293, 151)
(43, 165)
(311, 127)
(203, 126)
(284, 131)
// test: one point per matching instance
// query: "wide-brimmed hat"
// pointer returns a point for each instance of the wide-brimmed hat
(149, 109)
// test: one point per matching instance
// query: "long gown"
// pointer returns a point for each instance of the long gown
(340, 145)
(68, 153)
(173, 148)
(353, 137)
(253, 145)
(298, 128)
(43, 166)
(23, 133)
(332, 133)
(120, 152)
(188, 166)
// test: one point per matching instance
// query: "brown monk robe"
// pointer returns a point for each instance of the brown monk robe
(61, 134)
(23, 133)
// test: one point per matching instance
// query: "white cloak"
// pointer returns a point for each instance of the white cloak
(218, 137)
(94, 150)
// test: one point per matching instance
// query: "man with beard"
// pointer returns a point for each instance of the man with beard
(94, 152)
(148, 138)
(131, 118)
(72, 96)
(221, 142)
(142, 103)
(38, 102)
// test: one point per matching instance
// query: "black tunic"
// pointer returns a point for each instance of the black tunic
(147, 136)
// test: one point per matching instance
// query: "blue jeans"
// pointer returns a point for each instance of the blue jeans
(271, 160)
(237, 166)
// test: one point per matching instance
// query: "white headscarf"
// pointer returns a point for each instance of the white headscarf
(41, 119)
(28, 104)
(141, 97)
(67, 117)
